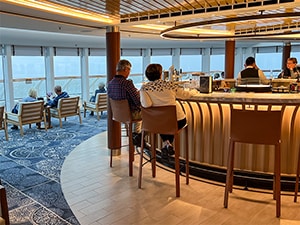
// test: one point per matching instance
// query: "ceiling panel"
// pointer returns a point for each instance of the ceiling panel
(165, 13)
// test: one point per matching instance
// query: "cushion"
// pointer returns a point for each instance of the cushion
(12, 116)
(2, 221)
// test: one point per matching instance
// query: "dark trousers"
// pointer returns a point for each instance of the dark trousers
(170, 138)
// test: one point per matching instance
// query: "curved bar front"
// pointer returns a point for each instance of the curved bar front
(208, 116)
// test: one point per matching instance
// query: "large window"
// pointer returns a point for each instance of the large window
(217, 63)
(97, 72)
(296, 55)
(97, 65)
(270, 63)
(67, 74)
(136, 73)
(28, 72)
(191, 63)
(2, 97)
(164, 60)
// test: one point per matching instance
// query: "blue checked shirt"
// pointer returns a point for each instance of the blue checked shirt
(120, 88)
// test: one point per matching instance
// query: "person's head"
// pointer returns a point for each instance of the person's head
(153, 72)
(250, 61)
(32, 93)
(57, 89)
(291, 63)
(123, 68)
(101, 85)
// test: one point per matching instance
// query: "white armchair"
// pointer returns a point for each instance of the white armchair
(66, 107)
(29, 112)
(99, 105)
(2, 122)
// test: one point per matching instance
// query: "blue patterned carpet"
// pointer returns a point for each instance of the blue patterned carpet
(30, 169)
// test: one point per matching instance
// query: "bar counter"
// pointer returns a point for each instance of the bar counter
(208, 116)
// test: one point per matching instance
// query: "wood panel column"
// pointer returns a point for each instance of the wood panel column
(229, 58)
(112, 58)
(286, 52)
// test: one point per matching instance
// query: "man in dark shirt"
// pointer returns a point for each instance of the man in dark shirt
(120, 88)
(59, 94)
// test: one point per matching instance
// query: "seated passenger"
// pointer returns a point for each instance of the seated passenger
(32, 97)
(120, 88)
(158, 92)
(101, 89)
(292, 71)
(252, 74)
(59, 94)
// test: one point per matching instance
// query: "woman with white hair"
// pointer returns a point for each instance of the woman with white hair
(32, 97)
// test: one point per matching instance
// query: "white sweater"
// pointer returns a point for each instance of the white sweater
(160, 93)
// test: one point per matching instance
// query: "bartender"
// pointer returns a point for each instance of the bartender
(292, 71)
(252, 73)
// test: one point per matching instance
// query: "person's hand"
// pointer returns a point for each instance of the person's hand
(48, 95)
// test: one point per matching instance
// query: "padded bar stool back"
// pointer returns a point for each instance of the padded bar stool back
(163, 120)
(122, 114)
(4, 213)
(257, 125)
(297, 178)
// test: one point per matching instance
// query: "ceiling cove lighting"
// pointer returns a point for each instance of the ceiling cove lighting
(63, 10)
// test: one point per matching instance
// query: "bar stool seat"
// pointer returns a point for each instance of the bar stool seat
(257, 125)
(121, 113)
(163, 120)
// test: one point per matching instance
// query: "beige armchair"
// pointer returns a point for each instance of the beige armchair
(29, 112)
(4, 216)
(66, 107)
(99, 105)
(2, 122)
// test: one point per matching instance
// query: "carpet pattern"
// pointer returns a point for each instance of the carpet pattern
(30, 169)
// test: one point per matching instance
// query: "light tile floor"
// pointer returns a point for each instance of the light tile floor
(100, 195)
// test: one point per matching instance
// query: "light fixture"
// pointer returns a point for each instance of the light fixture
(186, 30)
(63, 10)
(255, 32)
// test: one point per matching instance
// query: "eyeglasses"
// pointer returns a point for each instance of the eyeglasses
(128, 67)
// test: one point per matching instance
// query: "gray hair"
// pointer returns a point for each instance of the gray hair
(32, 93)
(123, 64)
(57, 88)
(101, 85)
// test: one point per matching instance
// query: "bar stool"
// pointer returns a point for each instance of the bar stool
(121, 113)
(163, 120)
(253, 125)
(4, 214)
(297, 178)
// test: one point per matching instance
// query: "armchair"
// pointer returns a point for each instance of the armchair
(29, 112)
(2, 122)
(66, 107)
(99, 105)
